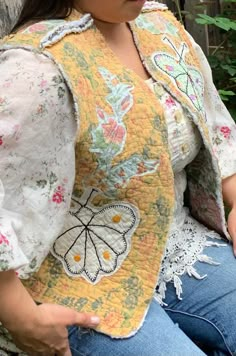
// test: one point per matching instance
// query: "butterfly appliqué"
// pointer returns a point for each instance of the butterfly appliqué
(187, 78)
(96, 240)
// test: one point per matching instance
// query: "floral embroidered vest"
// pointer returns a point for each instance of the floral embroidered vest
(107, 258)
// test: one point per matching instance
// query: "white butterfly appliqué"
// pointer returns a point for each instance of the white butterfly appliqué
(187, 78)
(96, 240)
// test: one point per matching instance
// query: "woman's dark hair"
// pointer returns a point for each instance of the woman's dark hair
(36, 10)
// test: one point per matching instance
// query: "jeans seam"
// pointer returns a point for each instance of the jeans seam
(71, 330)
(208, 321)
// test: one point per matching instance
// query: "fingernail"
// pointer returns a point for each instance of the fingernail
(95, 320)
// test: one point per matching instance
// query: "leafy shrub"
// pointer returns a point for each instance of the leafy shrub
(223, 58)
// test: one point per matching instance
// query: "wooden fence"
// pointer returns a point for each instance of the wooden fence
(206, 37)
(9, 10)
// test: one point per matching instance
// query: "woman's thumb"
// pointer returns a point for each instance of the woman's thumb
(86, 320)
(69, 317)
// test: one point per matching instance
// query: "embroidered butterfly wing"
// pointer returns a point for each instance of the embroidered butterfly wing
(187, 78)
(96, 241)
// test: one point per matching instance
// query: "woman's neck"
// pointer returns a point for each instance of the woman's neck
(113, 32)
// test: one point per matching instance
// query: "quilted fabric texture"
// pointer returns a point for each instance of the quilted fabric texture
(107, 258)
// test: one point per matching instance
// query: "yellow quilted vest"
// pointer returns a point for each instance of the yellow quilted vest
(107, 258)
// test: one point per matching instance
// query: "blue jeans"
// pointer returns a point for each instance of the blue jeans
(204, 320)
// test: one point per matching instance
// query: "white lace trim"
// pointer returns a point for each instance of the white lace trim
(153, 5)
(184, 247)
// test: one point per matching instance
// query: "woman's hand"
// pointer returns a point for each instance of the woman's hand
(229, 195)
(46, 333)
(37, 330)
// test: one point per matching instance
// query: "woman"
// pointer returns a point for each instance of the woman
(108, 109)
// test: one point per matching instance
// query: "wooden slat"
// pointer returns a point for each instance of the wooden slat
(9, 10)
(199, 32)
(213, 31)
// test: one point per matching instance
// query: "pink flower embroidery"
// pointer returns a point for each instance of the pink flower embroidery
(113, 319)
(225, 130)
(100, 114)
(193, 97)
(58, 195)
(161, 25)
(1, 141)
(170, 102)
(40, 109)
(43, 84)
(113, 132)
(125, 103)
(169, 68)
(57, 198)
(3, 239)
(60, 189)
(37, 27)
(6, 85)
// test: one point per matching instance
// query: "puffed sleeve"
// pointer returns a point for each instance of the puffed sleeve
(221, 125)
(37, 135)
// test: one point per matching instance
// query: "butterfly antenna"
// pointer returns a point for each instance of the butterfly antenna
(166, 39)
(76, 201)
(180, 55)
(182, 52)
(93, 191)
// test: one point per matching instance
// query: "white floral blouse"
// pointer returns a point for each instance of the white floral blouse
(37, 168)
(187, 237)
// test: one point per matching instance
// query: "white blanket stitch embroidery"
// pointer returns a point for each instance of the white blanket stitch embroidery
(96, 240)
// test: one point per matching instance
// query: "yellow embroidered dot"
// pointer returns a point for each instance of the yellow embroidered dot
(116, 219)
(106, 255)
(77, 258)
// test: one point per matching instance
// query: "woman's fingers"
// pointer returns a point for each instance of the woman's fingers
(69, 317)
(67, 352)
(86, 320)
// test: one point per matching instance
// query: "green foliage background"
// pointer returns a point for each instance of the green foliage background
(223, 58)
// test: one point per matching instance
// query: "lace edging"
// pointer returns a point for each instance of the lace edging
(182, 251)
